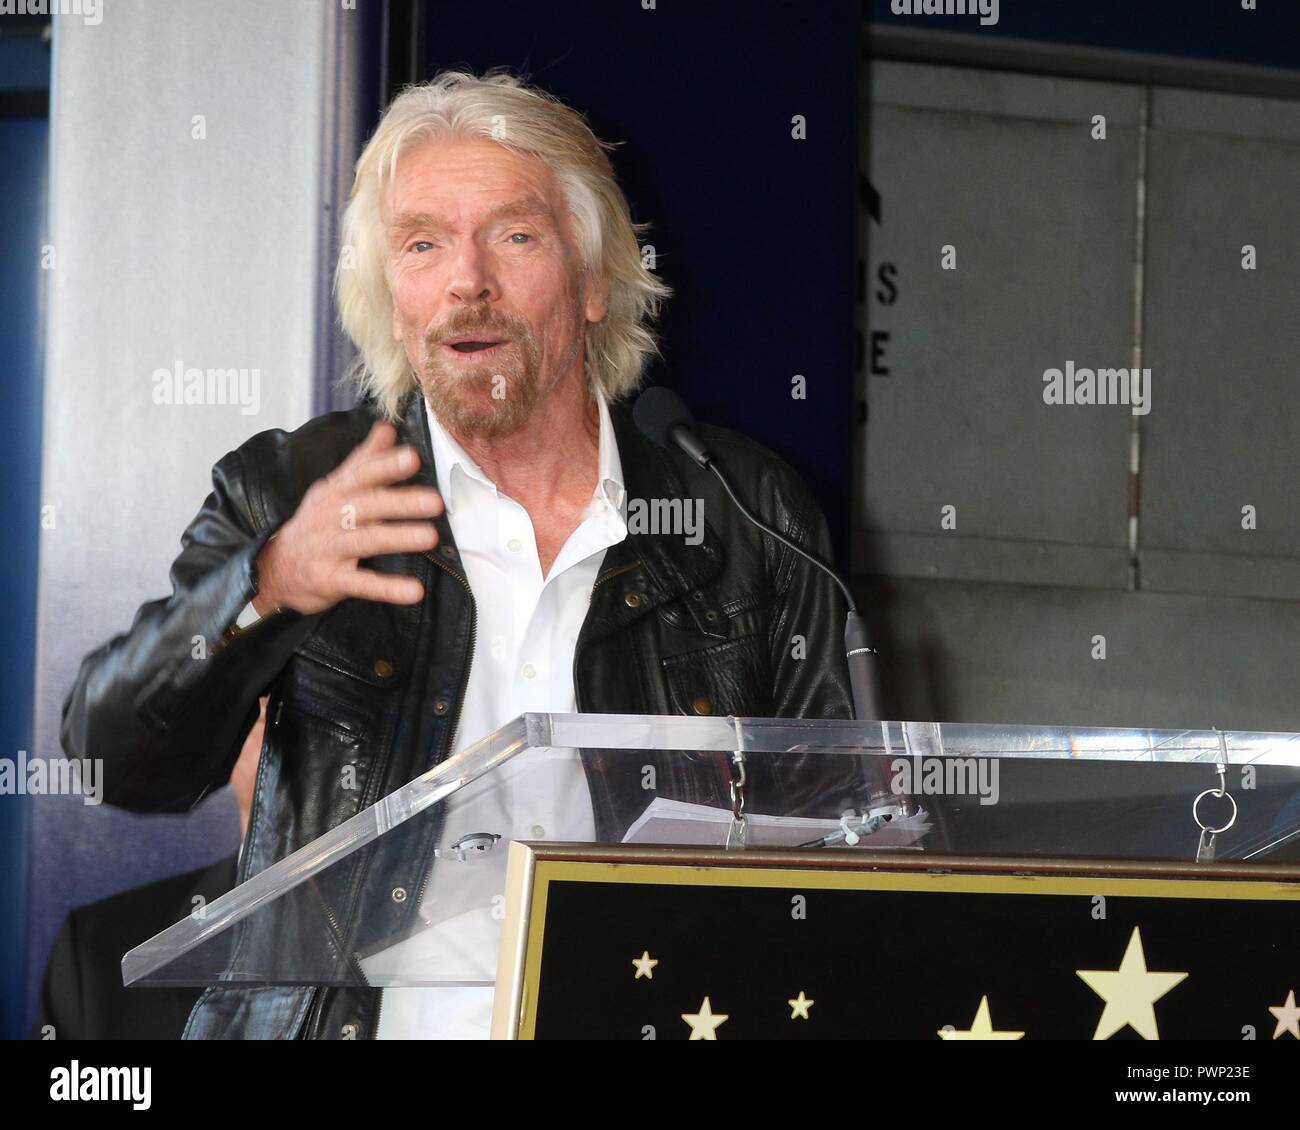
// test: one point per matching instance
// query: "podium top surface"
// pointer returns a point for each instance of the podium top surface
(409, 890)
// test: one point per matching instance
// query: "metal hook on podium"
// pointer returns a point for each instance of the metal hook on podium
(1205, 846)
(738, 832)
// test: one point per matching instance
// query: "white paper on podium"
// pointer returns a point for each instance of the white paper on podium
(699, 825)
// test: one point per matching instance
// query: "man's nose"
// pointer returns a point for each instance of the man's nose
(471, 277)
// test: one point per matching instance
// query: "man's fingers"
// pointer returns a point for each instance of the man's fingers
(365, 584)
(382, 434)
(380, 538)
(364, 470)
(396, 502)
(381, 437)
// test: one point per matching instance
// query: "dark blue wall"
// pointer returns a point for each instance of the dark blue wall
(754, 230)
(24, 130)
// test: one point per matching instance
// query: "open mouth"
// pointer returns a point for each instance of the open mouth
(470, 345)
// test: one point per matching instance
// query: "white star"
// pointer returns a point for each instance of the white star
(981, 1028)
(1130, 992)
(645, 966)
(1288, 1017)
(704, 1024)
(799, 1007)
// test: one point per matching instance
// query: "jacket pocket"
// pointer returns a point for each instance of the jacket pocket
(364, 640)
(324, 725)
(322, 762)
(731, 678)
(344, 691)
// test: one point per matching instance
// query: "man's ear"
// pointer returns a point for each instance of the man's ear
(597, 304)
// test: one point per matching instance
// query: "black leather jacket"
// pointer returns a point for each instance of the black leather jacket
(672, 628)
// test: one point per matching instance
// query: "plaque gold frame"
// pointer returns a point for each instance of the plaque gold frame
(532, 867)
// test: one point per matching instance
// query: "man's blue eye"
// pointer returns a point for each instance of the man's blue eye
(521, 235)
(419, 243)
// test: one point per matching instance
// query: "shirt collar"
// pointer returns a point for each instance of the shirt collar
(449, 457)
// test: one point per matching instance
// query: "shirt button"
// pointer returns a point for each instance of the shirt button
(538, 831)
(514, 545)
(529, 671)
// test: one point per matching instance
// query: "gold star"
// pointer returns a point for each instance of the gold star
(799, 1007)
(645, 966)
(981, 1028)
(704, 1024)
(1288, 1017)
(1130, 992)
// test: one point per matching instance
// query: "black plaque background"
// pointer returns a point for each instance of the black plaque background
(898, 965)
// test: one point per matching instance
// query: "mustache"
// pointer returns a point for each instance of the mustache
(457, 327)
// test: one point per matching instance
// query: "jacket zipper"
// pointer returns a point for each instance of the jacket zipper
(455, 724)
(464, 678)
(317, 1004)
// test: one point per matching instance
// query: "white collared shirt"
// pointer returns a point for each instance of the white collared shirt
(526, 630)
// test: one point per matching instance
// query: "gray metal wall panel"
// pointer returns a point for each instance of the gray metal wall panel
(1002, 167)
(1224, 430)
(1193, 647)
(964, 652)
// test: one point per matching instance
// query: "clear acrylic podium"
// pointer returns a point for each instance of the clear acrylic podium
(344, 909)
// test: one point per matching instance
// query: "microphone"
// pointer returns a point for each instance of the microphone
(662, 418)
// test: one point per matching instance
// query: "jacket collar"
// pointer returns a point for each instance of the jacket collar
(672, 566)
(413, 428)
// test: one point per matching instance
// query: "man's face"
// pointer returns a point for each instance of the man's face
(490, 301)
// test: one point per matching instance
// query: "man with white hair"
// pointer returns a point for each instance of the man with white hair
(405, 577)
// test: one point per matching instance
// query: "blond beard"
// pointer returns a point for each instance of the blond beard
(463, 399)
